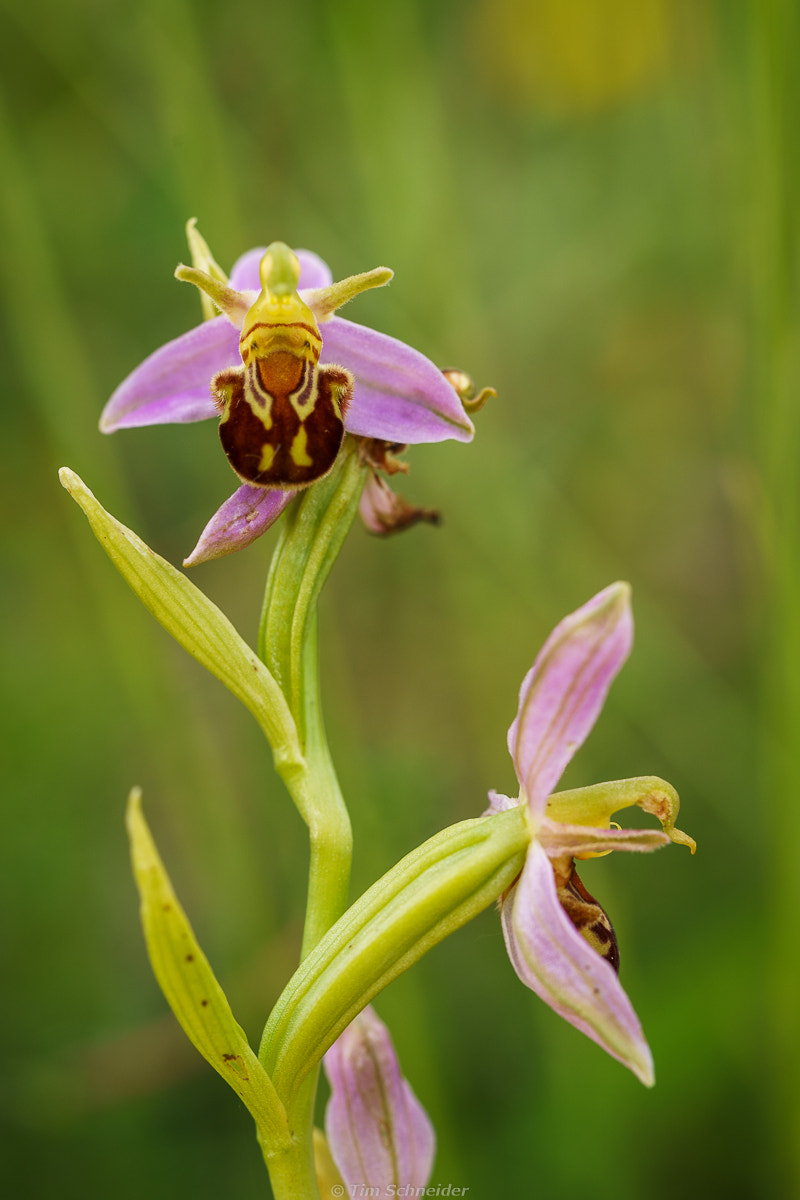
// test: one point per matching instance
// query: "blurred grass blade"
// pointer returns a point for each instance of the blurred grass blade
(190, 986)
(199, 626)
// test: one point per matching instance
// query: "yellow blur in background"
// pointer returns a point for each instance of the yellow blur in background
(574, 59)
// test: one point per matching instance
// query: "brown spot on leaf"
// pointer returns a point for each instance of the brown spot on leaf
(236, 1064)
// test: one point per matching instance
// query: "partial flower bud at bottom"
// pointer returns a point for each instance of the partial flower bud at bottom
(378, 1132)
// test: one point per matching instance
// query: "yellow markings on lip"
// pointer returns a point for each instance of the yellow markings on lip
(267, 457)
(299, 449)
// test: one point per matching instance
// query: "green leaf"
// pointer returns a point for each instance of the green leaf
(195, 622)
(429, 894)
(191, 988)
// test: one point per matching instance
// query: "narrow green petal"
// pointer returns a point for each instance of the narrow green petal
(199, 626)
(324, 301)
(584, 841)
(234, 304)
(203, 260)
(191, 988)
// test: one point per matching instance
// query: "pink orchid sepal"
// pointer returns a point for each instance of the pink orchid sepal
(398, 396)
(242, 518)
(382, 510)
(559, 939)
(378, 1133)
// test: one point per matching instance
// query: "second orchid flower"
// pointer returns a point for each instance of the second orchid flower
(558, 937)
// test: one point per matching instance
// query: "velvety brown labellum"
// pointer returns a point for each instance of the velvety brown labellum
(588, 917)
(282, 418)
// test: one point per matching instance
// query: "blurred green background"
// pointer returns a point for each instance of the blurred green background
(590, 205)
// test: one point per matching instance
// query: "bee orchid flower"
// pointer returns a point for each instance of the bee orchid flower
(288, 378)
(559, 939)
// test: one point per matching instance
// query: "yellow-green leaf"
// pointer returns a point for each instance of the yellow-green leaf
(191, 988)
(195, 622)
(430, 893)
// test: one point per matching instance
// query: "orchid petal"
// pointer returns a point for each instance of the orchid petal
(223, 297)
(244, 274)
(314, 273)
(499, 803)
(595, 805)
(561, 840)
(379, 1134)
(400, 396)
(384, 512)
(239, 521)
(552, 959)
(172, 385)
(204, 260)
(324, 301)
(563, 693)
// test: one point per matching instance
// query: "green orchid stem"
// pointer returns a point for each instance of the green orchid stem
(292, 1172)
(330, 835)
(312, 535)
(311, 538)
